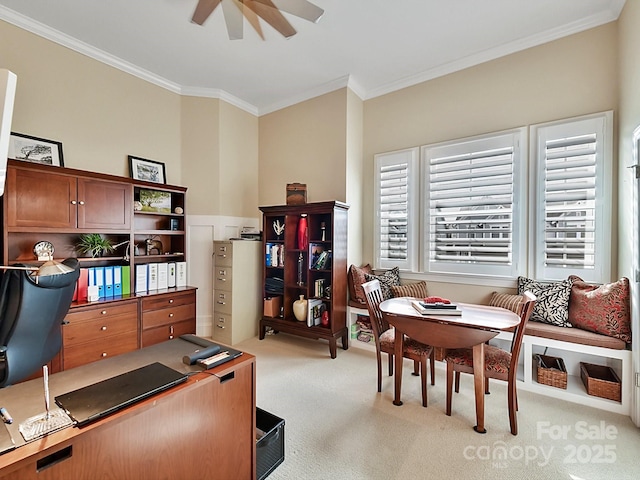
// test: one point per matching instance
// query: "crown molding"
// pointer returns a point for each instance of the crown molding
(501, 51)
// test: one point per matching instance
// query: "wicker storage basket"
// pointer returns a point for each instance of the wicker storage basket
(601, 381)
(551, 371)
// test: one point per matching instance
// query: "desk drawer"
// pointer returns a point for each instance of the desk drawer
(101, 311)
(168, 300)
(168, 316)
(99, 329)
(88, 352)
(151, 336)
(222, 301)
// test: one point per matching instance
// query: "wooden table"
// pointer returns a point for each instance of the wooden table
(476, 325)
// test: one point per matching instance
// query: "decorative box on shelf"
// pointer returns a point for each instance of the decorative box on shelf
(601, 381)
(551, 371)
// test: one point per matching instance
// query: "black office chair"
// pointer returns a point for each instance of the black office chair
(31, 314)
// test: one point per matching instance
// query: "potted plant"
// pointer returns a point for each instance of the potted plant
(94, 244)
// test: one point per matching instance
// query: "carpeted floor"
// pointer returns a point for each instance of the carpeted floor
(338, 426)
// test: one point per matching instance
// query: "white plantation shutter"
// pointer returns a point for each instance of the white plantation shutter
(472, 214)
(573, 216)
(395, 191)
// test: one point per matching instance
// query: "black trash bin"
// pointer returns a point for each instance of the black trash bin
(269, 443)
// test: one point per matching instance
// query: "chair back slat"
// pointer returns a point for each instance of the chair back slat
(526, 309)
(373, 293)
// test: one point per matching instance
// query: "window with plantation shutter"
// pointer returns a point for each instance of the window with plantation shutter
(472, 213)
(573, 163)
(396, 226)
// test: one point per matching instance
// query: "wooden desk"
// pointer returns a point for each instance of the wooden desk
(476, 325)
(203, 428)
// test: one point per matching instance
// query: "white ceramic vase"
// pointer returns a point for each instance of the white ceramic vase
(300, 309)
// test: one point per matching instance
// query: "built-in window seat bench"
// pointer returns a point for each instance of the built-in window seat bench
(573, 345)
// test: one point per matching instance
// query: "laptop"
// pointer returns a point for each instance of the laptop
(107, 396)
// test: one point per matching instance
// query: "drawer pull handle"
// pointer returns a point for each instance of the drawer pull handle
(80, 202)
(73, 202)
(220, 326)
(171, 332)
(171, 315)
(223, 256)
(103, 312)
(104, 354)
(171, 301)
(222, 279)
(103, 328)
(221, 303)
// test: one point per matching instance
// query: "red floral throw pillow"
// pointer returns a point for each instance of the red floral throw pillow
(356, 279)
(601, 309)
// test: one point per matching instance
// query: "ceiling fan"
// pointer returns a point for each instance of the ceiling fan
(252, 9)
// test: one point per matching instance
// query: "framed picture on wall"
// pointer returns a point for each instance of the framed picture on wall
(147, 170)
(33, 149)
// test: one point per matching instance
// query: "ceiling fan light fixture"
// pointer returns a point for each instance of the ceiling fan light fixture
(269, 11)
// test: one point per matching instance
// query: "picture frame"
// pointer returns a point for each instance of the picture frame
(35, 149)
(155, 201)
(147, 170)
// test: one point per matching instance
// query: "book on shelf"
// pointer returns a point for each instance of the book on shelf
(322, 261)
(318, 287)
(181, 274)
(315, 307)
(436, 308)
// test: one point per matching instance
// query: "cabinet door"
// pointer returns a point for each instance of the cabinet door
(104, 205)
(45, 199)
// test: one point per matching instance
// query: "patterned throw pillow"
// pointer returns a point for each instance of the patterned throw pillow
(417, 289)
(601, 309)
(356, 279)
(506, 300)
(552, 304)
(387, 280)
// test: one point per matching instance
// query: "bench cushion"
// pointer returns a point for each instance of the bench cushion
(573, 335)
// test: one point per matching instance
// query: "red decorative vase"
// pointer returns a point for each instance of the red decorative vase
(303, 234)
(324, 320)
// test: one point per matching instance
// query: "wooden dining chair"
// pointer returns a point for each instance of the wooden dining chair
(384, 336)
(499, 364)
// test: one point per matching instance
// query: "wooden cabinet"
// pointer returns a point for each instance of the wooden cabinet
(97, 332)
(56, 204)
(43, 199)
(167, 315)
(237, 296)
(293, 269)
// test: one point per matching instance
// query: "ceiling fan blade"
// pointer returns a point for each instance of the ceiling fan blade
(252, 18)
(203, 10)
(299, 8)
(233, 18)
(270, 14)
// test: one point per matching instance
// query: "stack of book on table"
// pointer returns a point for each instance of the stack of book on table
(437, 308)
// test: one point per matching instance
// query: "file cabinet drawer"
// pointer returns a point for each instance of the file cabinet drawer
(167, 316)
(222, 301)
(172, 299)
(223, 254)
(222, 328)
(223, 278)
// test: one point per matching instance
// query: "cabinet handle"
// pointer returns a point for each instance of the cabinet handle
(220, 326)
(104, 354)
(171, 301)
(171, 315)
(222, 279)
(103, 328)
(223, 256)
(103, 312)
(81, 202)
(73, 202)
(221, 303)
(171, 332)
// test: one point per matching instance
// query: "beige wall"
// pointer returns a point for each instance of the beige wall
(552, 81)
(355, 120)
(99, 113)
(305, 143)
